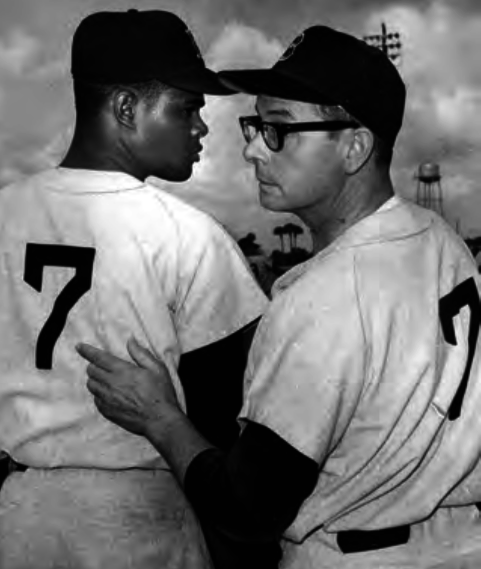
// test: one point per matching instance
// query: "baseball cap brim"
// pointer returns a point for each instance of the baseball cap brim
(273, 83)
(199, 80)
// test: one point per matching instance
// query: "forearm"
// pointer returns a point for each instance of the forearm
(244, 498)
(176, 439)
(254, 491)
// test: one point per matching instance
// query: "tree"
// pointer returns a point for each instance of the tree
(280, 232)
(288, 232)
(296, 231)
(293, 231)
(249, 246)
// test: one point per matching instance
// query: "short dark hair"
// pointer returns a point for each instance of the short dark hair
(382, 150)
(90, 98)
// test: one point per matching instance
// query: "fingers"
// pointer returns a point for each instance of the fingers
(95, 388)
(101, 373)
(98, 379)
(100, 405)
(98, 374)
(100, 358)
(142, 356)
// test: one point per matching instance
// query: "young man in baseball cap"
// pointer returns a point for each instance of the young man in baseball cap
(89, 250)
(361, 430)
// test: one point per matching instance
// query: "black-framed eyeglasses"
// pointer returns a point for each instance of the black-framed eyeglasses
(274, 133)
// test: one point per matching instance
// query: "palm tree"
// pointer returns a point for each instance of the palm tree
(293, 231)
(280, 232)
(288, 231)
(296, 231)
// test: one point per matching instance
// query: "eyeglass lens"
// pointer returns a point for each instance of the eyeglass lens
(268, 132)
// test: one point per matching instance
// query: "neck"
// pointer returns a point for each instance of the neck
(95, 149)
(358, 199)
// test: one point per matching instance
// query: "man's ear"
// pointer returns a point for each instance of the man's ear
(125, 103)
(359, 150)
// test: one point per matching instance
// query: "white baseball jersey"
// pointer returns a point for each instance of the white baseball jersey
(96, 257)
(368, 362)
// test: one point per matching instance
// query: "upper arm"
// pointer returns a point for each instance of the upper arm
(307, 367)
(217, 293)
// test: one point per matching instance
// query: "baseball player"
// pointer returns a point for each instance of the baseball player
(88, 250)
(361, 430)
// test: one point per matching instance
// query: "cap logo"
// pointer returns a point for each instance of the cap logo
(292, 48)
(194, 43)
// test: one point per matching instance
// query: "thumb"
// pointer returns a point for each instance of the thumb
(142, 356)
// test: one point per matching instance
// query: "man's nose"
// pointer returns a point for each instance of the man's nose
(200, 128)
(256, 150)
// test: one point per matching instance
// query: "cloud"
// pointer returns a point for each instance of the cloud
(17, 51)
(440, 65)
(51, 70)
(25, 159)
(239, 46)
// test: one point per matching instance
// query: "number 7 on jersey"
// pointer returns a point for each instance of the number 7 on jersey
(465, 294)
(38, 256)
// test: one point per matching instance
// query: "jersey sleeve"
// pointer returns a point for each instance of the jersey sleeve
(246, 498)
(468, 492)
(217, 292)
(307, 365)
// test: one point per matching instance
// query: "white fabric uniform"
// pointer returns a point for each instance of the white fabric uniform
(351, 366)
(162, 271)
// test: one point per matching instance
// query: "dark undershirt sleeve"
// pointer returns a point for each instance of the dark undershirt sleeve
(212, 379)
(246, 498)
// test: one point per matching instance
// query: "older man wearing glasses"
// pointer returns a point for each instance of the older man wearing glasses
(361, 423)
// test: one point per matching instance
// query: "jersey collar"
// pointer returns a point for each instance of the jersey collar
(91, 181)
(396, 219)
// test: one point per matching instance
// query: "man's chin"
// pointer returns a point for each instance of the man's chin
(176, 177)
(271, 202)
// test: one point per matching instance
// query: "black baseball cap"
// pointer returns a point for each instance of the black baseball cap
(138, 46)
(329, 67)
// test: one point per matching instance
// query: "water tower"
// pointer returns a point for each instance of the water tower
(429, 191)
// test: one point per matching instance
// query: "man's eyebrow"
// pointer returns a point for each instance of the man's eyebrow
(283, 113)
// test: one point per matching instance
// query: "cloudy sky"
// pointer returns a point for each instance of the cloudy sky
(441, 64)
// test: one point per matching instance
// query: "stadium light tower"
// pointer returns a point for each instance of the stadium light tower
(388, 42)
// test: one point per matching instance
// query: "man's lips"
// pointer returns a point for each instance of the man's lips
(196, 152)
(264, 182)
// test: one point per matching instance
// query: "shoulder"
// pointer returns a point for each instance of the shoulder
(321, 296)
(307, 360)
(196, 226)
(17, 198)
(205, 250)
(35, 180)
(329, 274)
(419, 248)
(428, 228)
